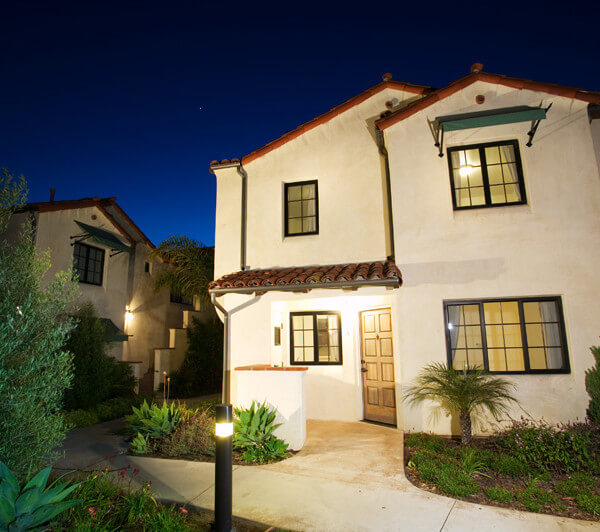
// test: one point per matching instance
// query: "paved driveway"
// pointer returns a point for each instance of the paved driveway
(348, 477)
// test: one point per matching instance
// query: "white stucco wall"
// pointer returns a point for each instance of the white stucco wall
(549, 247)
(342, 155)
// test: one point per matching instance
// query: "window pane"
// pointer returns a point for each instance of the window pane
(463, 198)
(298, 338)
(495, 175)
(510, 312)
(309, 225)
(509, 172)
(294, 209)
(507, 153)
(497, 194)
(297, 322)
(513, 193)
(475, 358)
(497, 359)
(308, 338)
(492, 312)
(477, 196)
(512, 336)
(308, 321)
(515, 360)
(460, 340)
(459, 358)
(492, 155)
(309, 354)
(308, 191)
(535, 335)
(295, 226)
(537, 358)
(475, 178)
(294, 193)
(334, 354)
(554, 356)
(471, 314)
(472, 157)
(308, 208)
(473, 336)
(298, 354)
(494, 335)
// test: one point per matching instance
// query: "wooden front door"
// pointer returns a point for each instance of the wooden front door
(377, 366)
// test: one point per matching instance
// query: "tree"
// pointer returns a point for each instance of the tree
(191, 268)
(461, 392)
(97, 375)
(592, 385)
(35, 369)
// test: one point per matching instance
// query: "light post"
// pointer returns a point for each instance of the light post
(223, 468)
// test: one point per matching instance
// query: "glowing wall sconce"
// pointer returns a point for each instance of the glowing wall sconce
(128, 315)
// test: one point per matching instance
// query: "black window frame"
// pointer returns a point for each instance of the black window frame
(286, 207)
(87, 247)
(314, 314)
(566, 369)
(484, 173)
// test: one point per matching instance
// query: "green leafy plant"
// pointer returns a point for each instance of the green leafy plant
(544, 446)
(81, 418)
(153, 421)
(588, 502)
(139, 444)
(536, 499)
(577, 483)
(499, 494)
(97, 376)
(506, 464)
(592, 385)
(254, 429)
(34, 504)
(461, 392)
(194, 437)
(422, 440)
(34, 326)
(471, 463)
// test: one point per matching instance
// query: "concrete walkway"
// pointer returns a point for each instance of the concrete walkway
(348, 477)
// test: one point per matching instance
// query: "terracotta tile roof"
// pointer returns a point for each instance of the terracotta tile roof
(516, 83)
(307, 277)
(387, 83)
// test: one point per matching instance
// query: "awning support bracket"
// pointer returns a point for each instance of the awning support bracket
(439, 141)
(533, 129)
(81, 238)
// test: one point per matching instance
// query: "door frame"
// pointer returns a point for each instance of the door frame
(383, 306)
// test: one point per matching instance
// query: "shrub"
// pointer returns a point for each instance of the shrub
(254, 434)
(194, 437)
(506, 464)
(422, 440)
(139, 444)
(34, 325)
(592, 385)
(81, 418)
(536, 499)
(97, 375)
(588, 502)
(540, 445)
(575, 485)
(30, 506)
(499, 494)
(202, 368)
(153, 421)
(454, 482)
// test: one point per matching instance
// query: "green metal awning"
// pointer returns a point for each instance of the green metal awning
(491, 117)
(113, 333)
(103, 237)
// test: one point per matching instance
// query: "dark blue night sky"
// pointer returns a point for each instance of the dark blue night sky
(135, 101)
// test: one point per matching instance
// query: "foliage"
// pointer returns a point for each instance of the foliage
(81, 418)
(107, 506)
(536, 499)
(29, 506)
(543, 446)
(576, 484)
(499, 494)
(202, 369)
(461, 392)
(471, 462)
(254, 429)
(111, 409)
(194, 437)
(506, 464)
(588, 502)
(97, 375)
(153, 421)
(139, 444)
(35, 369)
(433, 442)
(192, 265)
(592, 385)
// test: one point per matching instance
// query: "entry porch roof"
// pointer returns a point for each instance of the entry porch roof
(304, 278)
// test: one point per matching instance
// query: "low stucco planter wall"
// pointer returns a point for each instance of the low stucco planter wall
(283, 389)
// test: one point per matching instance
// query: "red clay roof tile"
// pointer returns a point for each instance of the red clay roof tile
(304, 277)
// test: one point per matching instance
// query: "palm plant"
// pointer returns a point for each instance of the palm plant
(461, 392)
(191, 268)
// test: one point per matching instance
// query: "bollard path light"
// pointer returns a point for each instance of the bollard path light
(223, 468)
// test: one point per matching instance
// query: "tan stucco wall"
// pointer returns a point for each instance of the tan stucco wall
(342, 155)
(549, 247)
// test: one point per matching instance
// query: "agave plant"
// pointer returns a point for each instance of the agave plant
(31, 506)
(152, 421)
(254, 429)
(461, 392)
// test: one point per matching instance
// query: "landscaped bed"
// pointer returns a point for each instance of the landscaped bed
(177, 431)
(529, 466)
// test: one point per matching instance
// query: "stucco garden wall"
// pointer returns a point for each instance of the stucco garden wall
(548, 247)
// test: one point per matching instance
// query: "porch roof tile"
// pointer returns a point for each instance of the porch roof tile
(305, 277)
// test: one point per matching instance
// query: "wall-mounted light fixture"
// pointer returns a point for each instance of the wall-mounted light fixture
(128, 315)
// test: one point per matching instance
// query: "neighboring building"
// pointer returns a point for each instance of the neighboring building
(110, 253)
(485, 195)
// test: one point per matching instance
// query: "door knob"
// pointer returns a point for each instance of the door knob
(364, 370)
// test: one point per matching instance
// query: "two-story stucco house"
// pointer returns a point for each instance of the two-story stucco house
(410, 225)
(111, 256)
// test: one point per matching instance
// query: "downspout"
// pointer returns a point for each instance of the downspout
(384, 153)
(244, 176)
(226, 394)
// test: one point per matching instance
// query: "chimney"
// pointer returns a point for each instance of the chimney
(387, 76)
(52, 192)
(476, 67)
